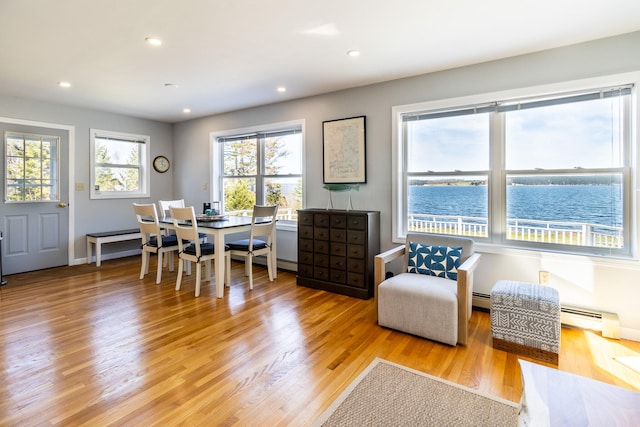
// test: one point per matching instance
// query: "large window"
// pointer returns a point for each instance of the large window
(31, 173)
(262, 167)
(119, 165)
(548, 172)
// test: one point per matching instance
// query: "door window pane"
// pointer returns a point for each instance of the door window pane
(31, 168)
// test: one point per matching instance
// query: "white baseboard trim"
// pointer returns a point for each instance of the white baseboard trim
(113, 255)
(630, 334)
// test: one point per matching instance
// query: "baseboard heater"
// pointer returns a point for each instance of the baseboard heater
(607, 323)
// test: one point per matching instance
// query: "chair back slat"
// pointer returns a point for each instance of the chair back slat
(264, 229)
(186, 227)
(164, 206)
(147, 218)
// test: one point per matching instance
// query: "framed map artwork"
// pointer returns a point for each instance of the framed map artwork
(343, 151)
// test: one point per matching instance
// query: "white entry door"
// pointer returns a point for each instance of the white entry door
(34, 211)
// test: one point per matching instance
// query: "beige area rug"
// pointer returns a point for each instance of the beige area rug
(387, 394)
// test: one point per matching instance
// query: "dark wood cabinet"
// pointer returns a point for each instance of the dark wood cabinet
(336, 250)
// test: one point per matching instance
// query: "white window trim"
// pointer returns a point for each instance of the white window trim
(215, 157)
(398, 175)
(145, 162)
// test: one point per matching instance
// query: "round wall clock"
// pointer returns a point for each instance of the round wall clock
(161, 164)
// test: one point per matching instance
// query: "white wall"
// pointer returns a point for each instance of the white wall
(598, 284)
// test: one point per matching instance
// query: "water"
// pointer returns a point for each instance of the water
(595, 204)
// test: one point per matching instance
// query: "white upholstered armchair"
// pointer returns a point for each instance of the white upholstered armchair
(437, 308)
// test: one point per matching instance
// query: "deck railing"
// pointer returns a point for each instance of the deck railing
(566, 233)
(284, 214)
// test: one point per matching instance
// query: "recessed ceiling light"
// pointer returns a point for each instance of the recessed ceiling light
(186, 110)
(64, 84)
(281, 89)
(353, 53)
(153, 41)
(173, 85)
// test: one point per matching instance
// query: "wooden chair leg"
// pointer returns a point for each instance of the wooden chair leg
(208, 269)
(144, 268)
(170, 260)
(179, 279)
(250, 265)
(247, 265)
(159, 272)
(227, 269)
(270, 267)
(198, 277)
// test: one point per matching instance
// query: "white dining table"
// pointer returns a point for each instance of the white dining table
(218, 229)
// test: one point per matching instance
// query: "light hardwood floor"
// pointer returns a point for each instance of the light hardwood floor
(96, 346)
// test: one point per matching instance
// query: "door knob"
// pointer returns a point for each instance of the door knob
(62, 204)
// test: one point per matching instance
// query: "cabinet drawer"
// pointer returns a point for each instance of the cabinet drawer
(355, 265)
(339, 249)
(305, 257)
(338, 276)
(321, 247)
(338, 221)
(321, 233)
(338, 235)
(356, 237)
(338, 263)
(305, 218)
(357, 222)
(321, 220)
(305, 245)
(305, 270)
(355, 251)
(321, 273)
(320, 260)
(356, 280)
(305, 232)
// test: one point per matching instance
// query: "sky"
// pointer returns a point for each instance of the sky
(565, 136)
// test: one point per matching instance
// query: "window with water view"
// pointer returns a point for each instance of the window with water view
(534, 172)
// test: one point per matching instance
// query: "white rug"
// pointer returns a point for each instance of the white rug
(388, 394)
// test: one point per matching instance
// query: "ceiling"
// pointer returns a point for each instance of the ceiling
(224, 55)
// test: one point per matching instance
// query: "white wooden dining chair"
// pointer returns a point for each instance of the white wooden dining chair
(164, 206)
(153, 242)
(190, 248)
(253, 246)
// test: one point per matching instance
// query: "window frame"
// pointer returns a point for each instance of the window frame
(143, 165)
(496, 240)
(217, 163)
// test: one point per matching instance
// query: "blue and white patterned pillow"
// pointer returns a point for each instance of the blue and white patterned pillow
(439, 261)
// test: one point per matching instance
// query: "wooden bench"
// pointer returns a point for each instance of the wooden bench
(108, 237)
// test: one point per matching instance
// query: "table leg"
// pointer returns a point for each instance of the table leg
(219, 263)
(274, 258)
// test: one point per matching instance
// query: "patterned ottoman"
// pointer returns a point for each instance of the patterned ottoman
(525, 319)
